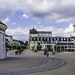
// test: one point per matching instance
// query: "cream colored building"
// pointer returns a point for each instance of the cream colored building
(46, 41)
(3, 27)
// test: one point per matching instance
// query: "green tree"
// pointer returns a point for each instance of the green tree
(26, 43)
(21, 42)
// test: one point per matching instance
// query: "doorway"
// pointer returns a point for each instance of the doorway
(48, 47)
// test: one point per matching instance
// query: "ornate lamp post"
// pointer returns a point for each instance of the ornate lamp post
(3, 27)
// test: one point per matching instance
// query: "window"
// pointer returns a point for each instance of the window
(41, 38)
(48, 33)
(67, 39)
(38, 38)
(58, 39)
(41, 42)
(43, 34)
(64, 39)
(47, 39)
(34, 38)
(38, 34)
(54, 39)
(61, 39)
(44, 38)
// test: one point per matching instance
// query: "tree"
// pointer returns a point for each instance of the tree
(26, 43)
(21, 42)
(8, 46)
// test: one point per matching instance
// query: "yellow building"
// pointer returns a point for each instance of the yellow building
(44, 40)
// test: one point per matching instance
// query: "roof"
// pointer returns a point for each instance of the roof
(33, 31)
(44, 32)
(2, 23)
(7, 35)
(65, 44)
(72, 37)
(71, 48)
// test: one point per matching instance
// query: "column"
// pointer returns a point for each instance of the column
(64, 48)
(2, 46)
(71, 47)
(60, 48)
(45, 46)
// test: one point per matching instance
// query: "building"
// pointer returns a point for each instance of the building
(46, 41)
(3, 27)
(16, 42)
(9, 39)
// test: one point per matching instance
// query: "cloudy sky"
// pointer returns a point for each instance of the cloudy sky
(57, 16)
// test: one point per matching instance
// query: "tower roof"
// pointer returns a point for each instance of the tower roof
(33, 31)
(2, 23)
(3, 27)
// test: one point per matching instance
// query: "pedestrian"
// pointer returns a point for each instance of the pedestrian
(53, 54)
(47, 53)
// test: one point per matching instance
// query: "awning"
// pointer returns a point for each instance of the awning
(71, 48)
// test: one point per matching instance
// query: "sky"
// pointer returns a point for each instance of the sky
(57, 16)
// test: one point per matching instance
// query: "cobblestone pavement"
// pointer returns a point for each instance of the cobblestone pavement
(42, 67)
(67, 69)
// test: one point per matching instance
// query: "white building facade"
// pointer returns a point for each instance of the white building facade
(3, 27)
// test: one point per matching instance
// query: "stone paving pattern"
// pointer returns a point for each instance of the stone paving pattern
(68, 68)
(51, 64)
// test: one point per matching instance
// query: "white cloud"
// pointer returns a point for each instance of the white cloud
(19, 33)
(6, 20)
(63, 20)
(38, 22)
(69, 29)
(25, 16)
(50, 10)
(23, 33)
(13, 23)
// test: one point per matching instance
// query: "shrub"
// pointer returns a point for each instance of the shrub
(20, 47)
(17, 52)
(21, 50)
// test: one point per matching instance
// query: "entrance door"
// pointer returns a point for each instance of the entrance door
(48, 47)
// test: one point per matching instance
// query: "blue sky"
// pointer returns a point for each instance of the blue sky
(20, 16)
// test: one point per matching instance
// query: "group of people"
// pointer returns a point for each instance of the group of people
(53, 53)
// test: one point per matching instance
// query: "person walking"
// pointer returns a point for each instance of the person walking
(53, 54)
(47, 53)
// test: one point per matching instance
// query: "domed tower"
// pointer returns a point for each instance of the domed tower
(3, 27)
